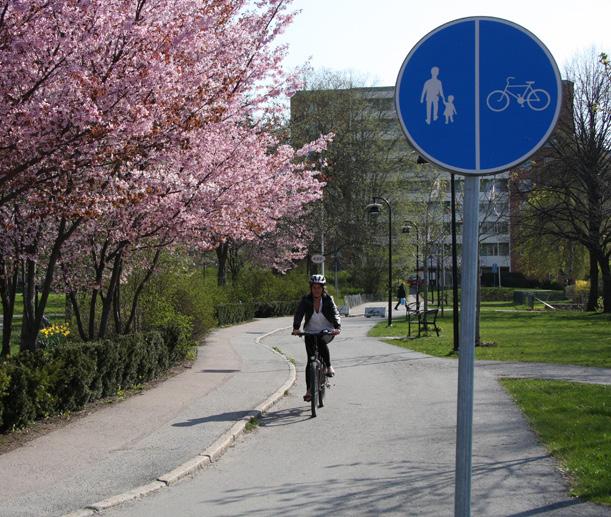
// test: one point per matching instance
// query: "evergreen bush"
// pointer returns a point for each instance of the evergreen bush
(74, 372)
(34, 385)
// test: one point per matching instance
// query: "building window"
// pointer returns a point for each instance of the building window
(494, 249)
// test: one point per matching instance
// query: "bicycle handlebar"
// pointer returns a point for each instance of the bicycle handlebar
(325, 332)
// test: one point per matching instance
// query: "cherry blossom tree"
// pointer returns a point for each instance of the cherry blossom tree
(130, 119)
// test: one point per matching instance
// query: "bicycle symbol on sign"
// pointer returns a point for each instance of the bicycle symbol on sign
(536, 98)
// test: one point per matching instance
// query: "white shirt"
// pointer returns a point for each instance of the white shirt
(318, 322)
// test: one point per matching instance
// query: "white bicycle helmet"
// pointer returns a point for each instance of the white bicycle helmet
(318, 279)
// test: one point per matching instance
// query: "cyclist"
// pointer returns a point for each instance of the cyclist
(320, 314)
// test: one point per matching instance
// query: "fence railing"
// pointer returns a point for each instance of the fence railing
(352, 300)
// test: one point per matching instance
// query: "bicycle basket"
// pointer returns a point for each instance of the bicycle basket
(327, 338)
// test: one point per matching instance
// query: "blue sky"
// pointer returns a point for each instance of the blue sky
(372, 37)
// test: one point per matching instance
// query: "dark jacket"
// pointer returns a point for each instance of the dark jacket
(306, 308)
(401, 291)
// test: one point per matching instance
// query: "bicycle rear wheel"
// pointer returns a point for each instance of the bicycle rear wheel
(314, 386)
(497, 100)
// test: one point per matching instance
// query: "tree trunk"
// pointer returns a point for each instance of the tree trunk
(91, 323)
(107, 304)
(99, 265)
(77, 315)
(27, 338)
(8, 290)
(116, 304)
(139, 289)
(34, 311)
(235, 263)
(593, 294)
(603, 260)
(221, 254)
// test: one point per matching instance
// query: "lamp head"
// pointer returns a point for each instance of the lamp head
(408, 226)
(374, 209)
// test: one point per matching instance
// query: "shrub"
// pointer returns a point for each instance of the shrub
(5, 381)
(74, 371)
(177, 338)
(18, 406)
(231, 313)
(34, 385)
(272, 309)
(184, 295)
(496, 294)
(516, 279)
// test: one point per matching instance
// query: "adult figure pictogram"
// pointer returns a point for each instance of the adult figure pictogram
(432, 90)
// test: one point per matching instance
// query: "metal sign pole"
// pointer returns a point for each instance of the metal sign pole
(478, 62)
(464, 428)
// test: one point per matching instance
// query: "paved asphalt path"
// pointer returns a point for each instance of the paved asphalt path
(130, 444)
(384, 444)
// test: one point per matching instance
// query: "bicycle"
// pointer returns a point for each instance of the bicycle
(316, 372)
(536, 98)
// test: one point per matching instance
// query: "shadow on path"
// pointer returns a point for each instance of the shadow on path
(231, 416)
(548, 508)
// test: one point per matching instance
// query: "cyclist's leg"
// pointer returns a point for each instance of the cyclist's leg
(309, 343)
(326, 357)
(324, 353)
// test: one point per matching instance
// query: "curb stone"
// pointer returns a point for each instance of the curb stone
(209, 455)
(127, 496)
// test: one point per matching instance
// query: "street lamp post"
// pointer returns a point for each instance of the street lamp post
(431, 278)
(406, 230)
(374, 210)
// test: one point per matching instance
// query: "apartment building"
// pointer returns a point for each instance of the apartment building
(498, 208)
(495, 242)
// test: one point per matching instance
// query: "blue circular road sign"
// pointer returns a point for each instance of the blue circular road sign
(478, 95)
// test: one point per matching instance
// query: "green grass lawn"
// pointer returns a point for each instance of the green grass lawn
(56, 304)
(55, 310)
(562, 337)
(574, 422)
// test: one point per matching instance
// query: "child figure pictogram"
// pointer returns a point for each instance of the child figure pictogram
(450, 109)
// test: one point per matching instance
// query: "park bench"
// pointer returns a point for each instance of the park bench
(425, 320)
(411, 314)
(428, 319)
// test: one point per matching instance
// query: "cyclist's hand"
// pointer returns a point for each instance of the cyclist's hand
(295, 332)
(335, 332)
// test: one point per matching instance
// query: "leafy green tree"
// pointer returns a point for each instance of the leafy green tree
(364, 159)
(566, 194)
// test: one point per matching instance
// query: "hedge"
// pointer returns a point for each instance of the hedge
(522, 297)
(35, 385)
(231, 313)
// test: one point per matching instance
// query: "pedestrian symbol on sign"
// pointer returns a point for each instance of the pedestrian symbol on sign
(450, 110)
(431, 91)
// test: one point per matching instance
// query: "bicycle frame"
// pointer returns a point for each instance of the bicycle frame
(528, 87)
(316, 372)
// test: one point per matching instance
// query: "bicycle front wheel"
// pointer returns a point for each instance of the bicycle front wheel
(322, 384)
(538, 100)
(497, 100)
(314, 386)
